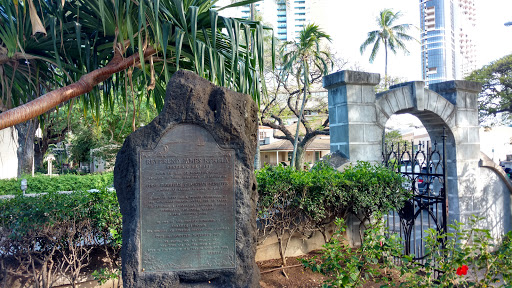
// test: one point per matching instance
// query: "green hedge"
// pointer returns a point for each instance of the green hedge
(58, 230)
(46, 184)
(324, 193)
(45, 228)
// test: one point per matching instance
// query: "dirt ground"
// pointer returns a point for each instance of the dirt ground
(298, 277)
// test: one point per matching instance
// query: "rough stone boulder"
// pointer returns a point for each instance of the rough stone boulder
(230, 120)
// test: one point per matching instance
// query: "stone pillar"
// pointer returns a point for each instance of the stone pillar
(352, 115)
(353, 124)
(465, 129)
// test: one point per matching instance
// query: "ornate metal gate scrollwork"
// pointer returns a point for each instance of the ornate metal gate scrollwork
(424, 167)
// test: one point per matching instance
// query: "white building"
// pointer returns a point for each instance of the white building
(466, 30)
(496, 142)
(287, 17)
(8, 153)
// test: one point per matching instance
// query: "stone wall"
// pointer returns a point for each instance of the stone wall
(358, 117)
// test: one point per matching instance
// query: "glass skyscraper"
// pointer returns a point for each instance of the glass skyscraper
(438, 55)
(447, 51)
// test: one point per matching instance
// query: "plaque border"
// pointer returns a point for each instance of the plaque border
(233, 154)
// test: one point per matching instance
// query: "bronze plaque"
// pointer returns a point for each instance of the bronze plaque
(187, 203)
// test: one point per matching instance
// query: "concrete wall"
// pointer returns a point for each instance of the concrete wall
(493, 201)
(8, 153)
(268, 247)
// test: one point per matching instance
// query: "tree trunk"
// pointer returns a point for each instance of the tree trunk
(282, 250)
(26, 136)
(257, 160)
(85, 84)
(40, 148)
(300, 158)
(294, 155)
(386, 64)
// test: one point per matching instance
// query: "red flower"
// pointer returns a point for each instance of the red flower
(462, 270)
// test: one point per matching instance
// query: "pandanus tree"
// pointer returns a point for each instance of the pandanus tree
(389, 34)
(298, 57)
(52, 51)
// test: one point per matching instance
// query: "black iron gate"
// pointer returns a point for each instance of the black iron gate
(424, 167)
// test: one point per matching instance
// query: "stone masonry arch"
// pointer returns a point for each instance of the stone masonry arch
(358, 116)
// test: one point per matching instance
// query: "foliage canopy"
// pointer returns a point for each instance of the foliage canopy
(390, 34)
(496, 95)
(64, 49)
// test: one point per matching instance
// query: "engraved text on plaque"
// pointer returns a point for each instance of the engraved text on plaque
(187, 203)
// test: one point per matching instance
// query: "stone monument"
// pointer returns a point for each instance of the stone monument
(187, 190)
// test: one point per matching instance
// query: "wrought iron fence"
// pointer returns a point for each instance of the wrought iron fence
(424, 167)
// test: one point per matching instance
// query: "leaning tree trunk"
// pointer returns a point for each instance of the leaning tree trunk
(26, 136)
(85, 84)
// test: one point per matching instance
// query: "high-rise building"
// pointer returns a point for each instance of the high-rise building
(438, 50)
(466, 38)
(292, 16)
(447, 48)
(288, 17)
(246, 10)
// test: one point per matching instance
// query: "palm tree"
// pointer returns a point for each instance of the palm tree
(62, 49)
(299, 56)
(392, 36)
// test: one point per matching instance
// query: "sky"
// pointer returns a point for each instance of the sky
(348, 22)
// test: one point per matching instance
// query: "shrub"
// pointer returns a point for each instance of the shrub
(292, 200)
(374, 189)
(281, 190)
(46, 184)
(346, 267)
(465, 260)
(55, 233)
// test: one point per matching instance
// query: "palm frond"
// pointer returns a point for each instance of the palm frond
(375, 50)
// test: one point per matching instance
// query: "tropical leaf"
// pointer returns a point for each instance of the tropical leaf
(387, 34)
(92, 40)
